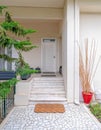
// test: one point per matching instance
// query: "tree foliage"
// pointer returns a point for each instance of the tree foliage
(14, 26)
(1, 8)
(9, 25)
(5, 87)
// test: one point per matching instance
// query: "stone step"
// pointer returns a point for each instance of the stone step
(47, 92)
(47, 84)
(48, 102)
(47, 88)
(48, 79)
(45, 98)
(46, 95)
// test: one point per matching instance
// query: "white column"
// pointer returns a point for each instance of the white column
(72, 51)
(76, 53)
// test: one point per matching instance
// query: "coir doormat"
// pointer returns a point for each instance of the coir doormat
(49, 108)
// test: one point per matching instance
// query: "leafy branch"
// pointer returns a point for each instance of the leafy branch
(7, 58)
(12, 26)
(1, 8)
(5, 87)
(15, 27)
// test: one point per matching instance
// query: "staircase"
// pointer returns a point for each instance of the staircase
(47, 89)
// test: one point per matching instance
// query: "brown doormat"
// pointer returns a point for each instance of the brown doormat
(49, 108)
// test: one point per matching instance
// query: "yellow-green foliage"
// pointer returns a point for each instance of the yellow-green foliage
(96, 110)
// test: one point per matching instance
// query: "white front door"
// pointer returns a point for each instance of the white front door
(49, 55)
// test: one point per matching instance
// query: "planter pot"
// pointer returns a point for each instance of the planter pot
(87, 97)
(25, 77)
(6, 75)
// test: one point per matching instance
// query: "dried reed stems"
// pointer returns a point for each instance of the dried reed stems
(87, 66)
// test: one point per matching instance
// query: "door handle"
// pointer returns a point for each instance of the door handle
(53, 56)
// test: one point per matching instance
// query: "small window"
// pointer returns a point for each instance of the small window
(48, 40)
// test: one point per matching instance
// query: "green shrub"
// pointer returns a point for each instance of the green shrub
(96, 109)
(6, 86)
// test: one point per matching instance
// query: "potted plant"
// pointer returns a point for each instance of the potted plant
(26, 73)
(5, 75)
(87, 69)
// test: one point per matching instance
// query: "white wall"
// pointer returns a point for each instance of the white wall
(90, 27)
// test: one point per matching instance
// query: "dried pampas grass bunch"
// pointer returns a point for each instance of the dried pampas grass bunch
(87, 65)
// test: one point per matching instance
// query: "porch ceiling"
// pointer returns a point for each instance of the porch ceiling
(90, 6)
(34, 3)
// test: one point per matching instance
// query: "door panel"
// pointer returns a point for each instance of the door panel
(49, 56)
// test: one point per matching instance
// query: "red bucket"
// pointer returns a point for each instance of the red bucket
(87, 97)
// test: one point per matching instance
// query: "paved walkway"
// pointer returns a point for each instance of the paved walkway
(75, 118)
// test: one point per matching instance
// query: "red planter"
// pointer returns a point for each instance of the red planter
(87, 97)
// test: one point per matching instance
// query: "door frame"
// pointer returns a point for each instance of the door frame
(42, 51)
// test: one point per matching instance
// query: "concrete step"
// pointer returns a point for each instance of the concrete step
(47, 84)
(49, 98)
(48, 79)
(47, 88)
(47, 91)
(48, 94)
(48, 102)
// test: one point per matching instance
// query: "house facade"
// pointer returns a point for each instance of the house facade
(60, 25)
